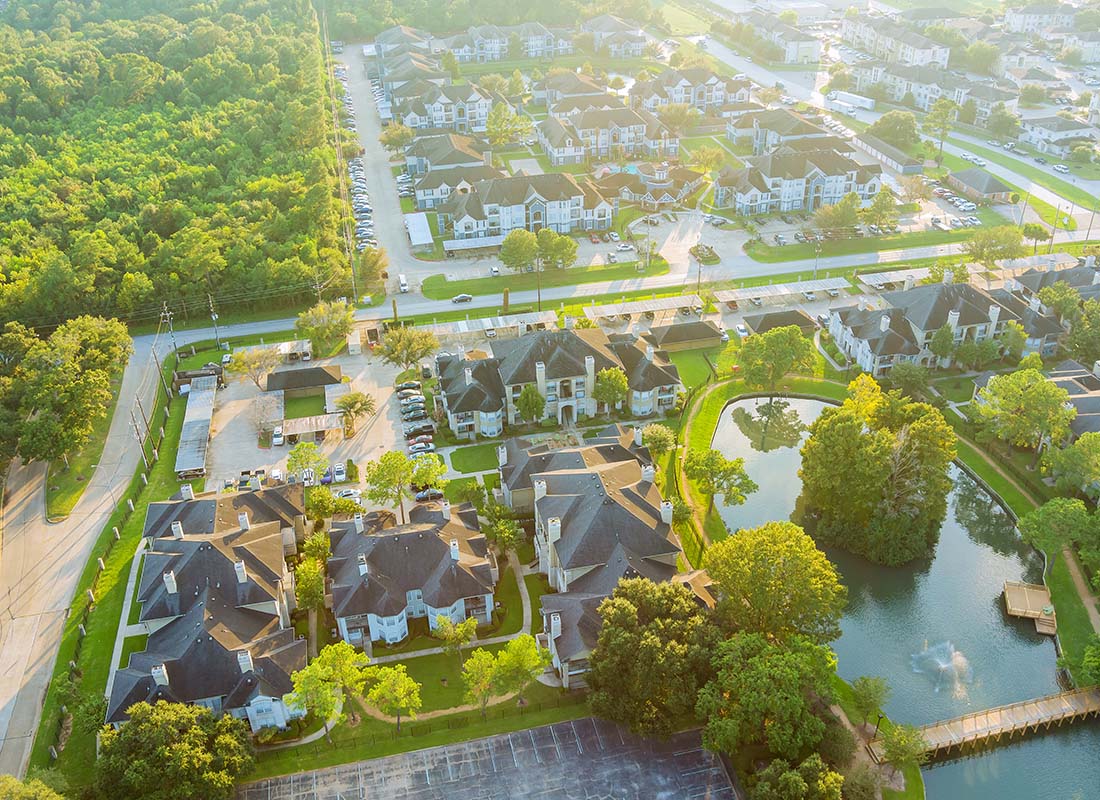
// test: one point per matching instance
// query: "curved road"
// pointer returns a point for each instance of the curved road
(40, 563)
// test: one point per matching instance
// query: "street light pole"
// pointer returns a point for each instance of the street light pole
(881, 717)
(214, 319)
(817, 257)
(1054, 229)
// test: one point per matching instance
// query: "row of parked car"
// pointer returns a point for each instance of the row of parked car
(360, 197)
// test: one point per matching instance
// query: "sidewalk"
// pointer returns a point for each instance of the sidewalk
(124, 629)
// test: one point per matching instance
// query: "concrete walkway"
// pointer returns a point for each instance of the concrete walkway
(821, 349)
(525, 599)
(308, 738)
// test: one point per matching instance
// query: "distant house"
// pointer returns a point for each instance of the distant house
(769, 129)
(893, 42)
(889, 156)
(538, 41)
(928, 83)
(472, 396)
(795, 46)
(685, 335)
(977, 184)
(1056, 135)
(446, 151)
(562, 85)
(762, 323)
(1038, 18)
(606, 27)
(217, 607)
(435, 187)
(382, 577)
(462, 108)
(699, 88)
(304, 381)
(652, 186)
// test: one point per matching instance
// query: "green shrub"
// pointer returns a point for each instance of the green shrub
(838, 744)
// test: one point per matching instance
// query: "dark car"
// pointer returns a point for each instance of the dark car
(462, 298)
(326, 478)
(428, 494)
(402, 387)
(419, 429)
(414, 416)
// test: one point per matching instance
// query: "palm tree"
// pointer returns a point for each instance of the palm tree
(354, 405)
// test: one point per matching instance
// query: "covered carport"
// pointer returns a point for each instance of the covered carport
(631, 308)
(507, 326)
(895, 278)
(308, 429)
(780, 293)
(195, 434)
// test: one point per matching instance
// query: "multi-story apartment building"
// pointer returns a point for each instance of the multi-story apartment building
(769, 129)
(893, 42)
(796, 46)
(699, 88)
(1038, 18)
(463, 108)
(437, 185)
(1056, 135)
(446, 151)
(930, 83)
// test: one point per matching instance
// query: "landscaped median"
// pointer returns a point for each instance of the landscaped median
(437, 287)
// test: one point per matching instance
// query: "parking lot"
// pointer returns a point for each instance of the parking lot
(234, 443)
(581, 760)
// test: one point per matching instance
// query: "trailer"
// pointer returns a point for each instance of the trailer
(857, 100)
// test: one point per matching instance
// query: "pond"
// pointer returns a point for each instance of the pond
(936, 631)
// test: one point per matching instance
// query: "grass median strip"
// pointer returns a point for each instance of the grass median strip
(437, 287)
(1074, 194)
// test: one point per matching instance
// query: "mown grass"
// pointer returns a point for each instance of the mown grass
(297, 407)
(475, 458)
(437, 287)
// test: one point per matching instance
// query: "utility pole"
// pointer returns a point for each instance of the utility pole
(817, 257)
(140, 441)
(1092, 217)
(1054, 229)
(166, 317)
(214, 319)
(141, 409)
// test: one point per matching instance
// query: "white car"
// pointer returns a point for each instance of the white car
(347, 494)
(308, 477)
(742, 331)
(1062, 168)
(226, 359)
(624, 247)
(277, 437)
(613, 236)
(339, 472)
(423, 447)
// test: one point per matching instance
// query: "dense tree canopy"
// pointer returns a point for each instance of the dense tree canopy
(161, 151)
(874, 474)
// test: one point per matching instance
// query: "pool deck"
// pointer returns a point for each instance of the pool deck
(1031, 601)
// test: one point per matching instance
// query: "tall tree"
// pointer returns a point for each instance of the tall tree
(12, 788)
(943, 342)
(677, 117)
(713, 474)
(937, 123)
(904, 746)
(454, 635)
(394, 693)
(810, 780)
(530, 405)
(404, 346)
(1036, 232)
(170, 750)
(707, 158)
(767, 357)
(1083, 341)
(869, 694)
(986, 246)
(774, 581)
(651, 657)
(309, 584)
(841, 216)
(478, 675)
(1062, 299)
(255, 362)
(910, 378)
(518, 664)
(503, 125)
(1055, 524)
(1013, 339)
(898, 128)
(429, 469)
(325, 323)
(1076, 467)
(1023, 408)
(883, 210)
(764, 693)
(519, 250)
(396, 137)
(449, 62)
(659, 439)
(323, 685)
(387, 480)
(306, 455)
(611, 388)
(914, 189)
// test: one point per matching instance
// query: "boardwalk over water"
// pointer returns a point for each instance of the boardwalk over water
(1005, 722)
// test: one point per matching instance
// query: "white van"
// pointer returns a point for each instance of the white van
(403, 284)
(277, 436)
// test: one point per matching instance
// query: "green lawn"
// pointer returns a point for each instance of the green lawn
(681, 21)
(65, 484)
(475, 458)
(537, 586)
(440, 678)
(491, 481)
(437, 287)
(135, 607)
(453, 486)
(507, 594)
(693, 365)
(371, 738)
(770, 254)
(689, 144)
(408, 205)
(131, 644)
(298, 407)
(1041, 175)
(957, 390)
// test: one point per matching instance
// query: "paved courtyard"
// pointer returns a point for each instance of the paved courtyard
(587, 759)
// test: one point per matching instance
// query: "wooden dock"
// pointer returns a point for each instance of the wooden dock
(1004, 722)
(1031, 601)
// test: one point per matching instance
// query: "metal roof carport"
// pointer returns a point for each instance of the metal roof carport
(460, 245)
(420, 232)
(774, 291)
(879, 279)
(642, 306)
(521, 322)
(334, 393)
(195, 434)
(314, 424)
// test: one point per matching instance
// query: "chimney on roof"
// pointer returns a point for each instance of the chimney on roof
(502, 455)
(1096, 277)
(1090, 261)
(540, 377)
(358, 521)
(994, 316)
(160, 674)
(910, 281)
(540, 489)
(445, 507)
(553, 529)
(242, 520)
(1033, 302)
(242, 573)
(186, 492)
(666, 512)
(555, 625)
(648, 472)
(590, 371)
(364, 568)
(244, 661)
(884, 323)
(948, 276)
(177, 529)
(1052, 263)
(637, 435)
(170, 582)
(469, 373)
(953, 320)
(648, 352)
(454, 549)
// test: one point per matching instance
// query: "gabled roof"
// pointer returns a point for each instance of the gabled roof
(453, 176)
(197, 562)
(762, 323)
(199, 652)
(407, 557)
(219, 514)
(304, 378)
(580, 621)
(482, 392)
(927, 307)
(981, 181)
(562, 352)
(571, 84)
(1056, 123)
(1077, 277)
(609, 23)
(646, 367)
(680, 332)
(866, 324)
(614, 444)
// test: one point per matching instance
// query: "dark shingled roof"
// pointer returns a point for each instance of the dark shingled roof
(304, 378)
(580, 621)
(199, 653)
(762, 323)
(206, 515)
(563, 353)
(412, 556)
(679, 332)
(927, 307)
(645, 371)
(981, 181)
(483, 392)
(524, 460)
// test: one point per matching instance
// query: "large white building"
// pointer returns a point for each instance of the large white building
(893, 42)
(1038, 18)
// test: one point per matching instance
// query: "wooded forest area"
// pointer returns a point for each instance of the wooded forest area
(153, 150)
